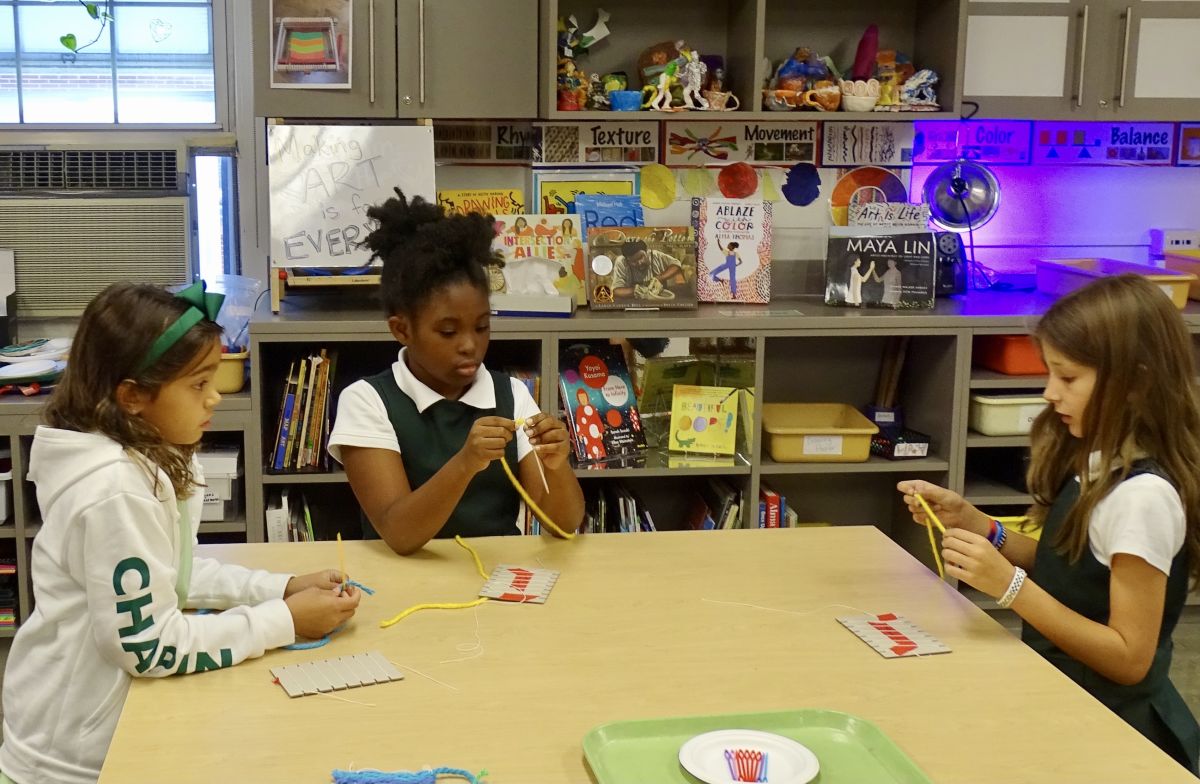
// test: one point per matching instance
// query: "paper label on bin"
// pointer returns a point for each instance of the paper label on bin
(1026, 415)
(1165, 289)
(911, 450)
(822, 445)
(885, 416)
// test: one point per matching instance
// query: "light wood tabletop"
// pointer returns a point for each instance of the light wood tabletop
(635, 628)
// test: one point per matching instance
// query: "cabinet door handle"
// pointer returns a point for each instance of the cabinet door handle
(1125, 55)
(421, 50)
(371, 49)
(1083, 36)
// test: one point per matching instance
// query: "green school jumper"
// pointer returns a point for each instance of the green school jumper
(429, 439)
(1153, 707)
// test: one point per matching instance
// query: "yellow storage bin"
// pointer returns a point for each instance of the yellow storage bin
(1062, 276)
(231, 373)
(1186, 261)
(817, 433)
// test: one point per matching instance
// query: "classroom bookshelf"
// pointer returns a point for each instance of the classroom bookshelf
(804, 351)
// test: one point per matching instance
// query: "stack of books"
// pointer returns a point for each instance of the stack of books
(8, 594)
(302, 430)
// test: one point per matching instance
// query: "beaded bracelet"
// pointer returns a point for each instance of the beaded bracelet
(1014, 588)
(998, 535)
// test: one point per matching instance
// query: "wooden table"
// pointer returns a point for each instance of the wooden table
(627, 634)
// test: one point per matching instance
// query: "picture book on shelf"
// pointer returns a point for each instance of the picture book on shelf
(302, 429)
(661, 374)
(542, 254)
(485, 201)
(704, 419)
(881, 271)
(733, 250)
(597, 395)
(641, 268)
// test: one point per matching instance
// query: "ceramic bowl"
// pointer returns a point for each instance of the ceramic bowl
(859, 103)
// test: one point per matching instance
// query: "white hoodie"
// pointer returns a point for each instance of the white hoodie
(105, 568)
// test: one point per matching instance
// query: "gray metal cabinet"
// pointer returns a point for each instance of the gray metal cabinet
(467, 58)
(372, 58)
(1084, 59)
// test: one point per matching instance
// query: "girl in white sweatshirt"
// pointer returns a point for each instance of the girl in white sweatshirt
(112, 565)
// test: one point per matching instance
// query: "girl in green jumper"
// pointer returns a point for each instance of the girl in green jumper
(421, 441)
(1115, 478)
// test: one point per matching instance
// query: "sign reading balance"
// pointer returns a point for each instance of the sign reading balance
(1140, 144)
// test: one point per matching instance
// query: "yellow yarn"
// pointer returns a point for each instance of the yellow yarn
(930, 521)
(475, 555)
(537, 511)
(436, 606)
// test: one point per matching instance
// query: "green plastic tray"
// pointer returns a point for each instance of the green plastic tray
(850, 750)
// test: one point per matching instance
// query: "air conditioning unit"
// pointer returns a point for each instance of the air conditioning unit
(79, 217)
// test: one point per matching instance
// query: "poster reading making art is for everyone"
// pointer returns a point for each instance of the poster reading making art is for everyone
(310, 50)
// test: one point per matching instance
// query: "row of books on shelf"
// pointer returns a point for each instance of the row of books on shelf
(288, 517)
(8, 594)
(303, 426)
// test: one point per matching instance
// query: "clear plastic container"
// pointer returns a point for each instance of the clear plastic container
(241, 294)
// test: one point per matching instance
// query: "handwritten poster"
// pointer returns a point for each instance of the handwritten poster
(323, 179)
(867, 144)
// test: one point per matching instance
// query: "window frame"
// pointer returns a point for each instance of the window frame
(222, 93)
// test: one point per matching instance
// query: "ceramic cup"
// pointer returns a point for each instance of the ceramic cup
(859, 103)
(780, 100)
(625, 100)
(719, 101)
(823, 99)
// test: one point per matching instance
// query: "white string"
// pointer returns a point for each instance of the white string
(344, 699)
(473, 649)
(789, 612)
(423, 675)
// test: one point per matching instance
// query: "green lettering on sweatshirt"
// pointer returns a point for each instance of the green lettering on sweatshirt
(144, 651)
(166, 658)
(130, 565)
(204, 662)
(137, 622)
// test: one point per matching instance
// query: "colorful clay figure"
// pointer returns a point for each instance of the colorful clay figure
(658, 95)
(733, 260)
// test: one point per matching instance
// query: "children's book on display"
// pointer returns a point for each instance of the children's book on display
(598, 397)
(641, 268)
(882, 271)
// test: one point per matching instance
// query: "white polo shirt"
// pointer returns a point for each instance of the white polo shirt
(1141, 516)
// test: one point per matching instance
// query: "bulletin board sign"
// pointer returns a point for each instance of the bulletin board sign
(715, 143)
(323, 178)
(986, 141)
(867, 144)
(483, 142)
(1089, 144)
(1189, 144)
(596, 144)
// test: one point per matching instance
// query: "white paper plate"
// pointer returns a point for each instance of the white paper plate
(31, 369)
(788, 762)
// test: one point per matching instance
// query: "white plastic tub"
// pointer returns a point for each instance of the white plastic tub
(1005, 415)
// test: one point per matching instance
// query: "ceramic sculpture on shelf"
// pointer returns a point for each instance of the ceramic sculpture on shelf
(597, 99)
(691, 80)
(918, 91)
(658, 95)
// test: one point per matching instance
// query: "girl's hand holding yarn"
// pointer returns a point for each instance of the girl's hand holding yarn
(328, 579)
(486, 442)
(318, 611)
(976, 561)
(549, 437)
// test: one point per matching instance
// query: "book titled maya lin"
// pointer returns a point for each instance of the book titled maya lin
(882, 271)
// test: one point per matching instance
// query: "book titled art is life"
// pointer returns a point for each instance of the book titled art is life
(733, 250)
(704, 419)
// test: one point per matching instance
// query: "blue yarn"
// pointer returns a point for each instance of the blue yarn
(308, 646)
(361, 587)
(402, 777)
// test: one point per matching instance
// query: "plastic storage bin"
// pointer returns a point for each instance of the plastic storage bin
(1013, 355)
(1187, 261)
(1062, 276)
(817, 433)
(1004, 415)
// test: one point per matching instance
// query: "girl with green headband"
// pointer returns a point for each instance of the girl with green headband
(119, 490)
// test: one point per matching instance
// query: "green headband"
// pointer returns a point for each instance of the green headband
(202, 305)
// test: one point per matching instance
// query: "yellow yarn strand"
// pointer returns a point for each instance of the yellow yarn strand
(537, 512)
(930, 521)
(475, 555)
(436, 606)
